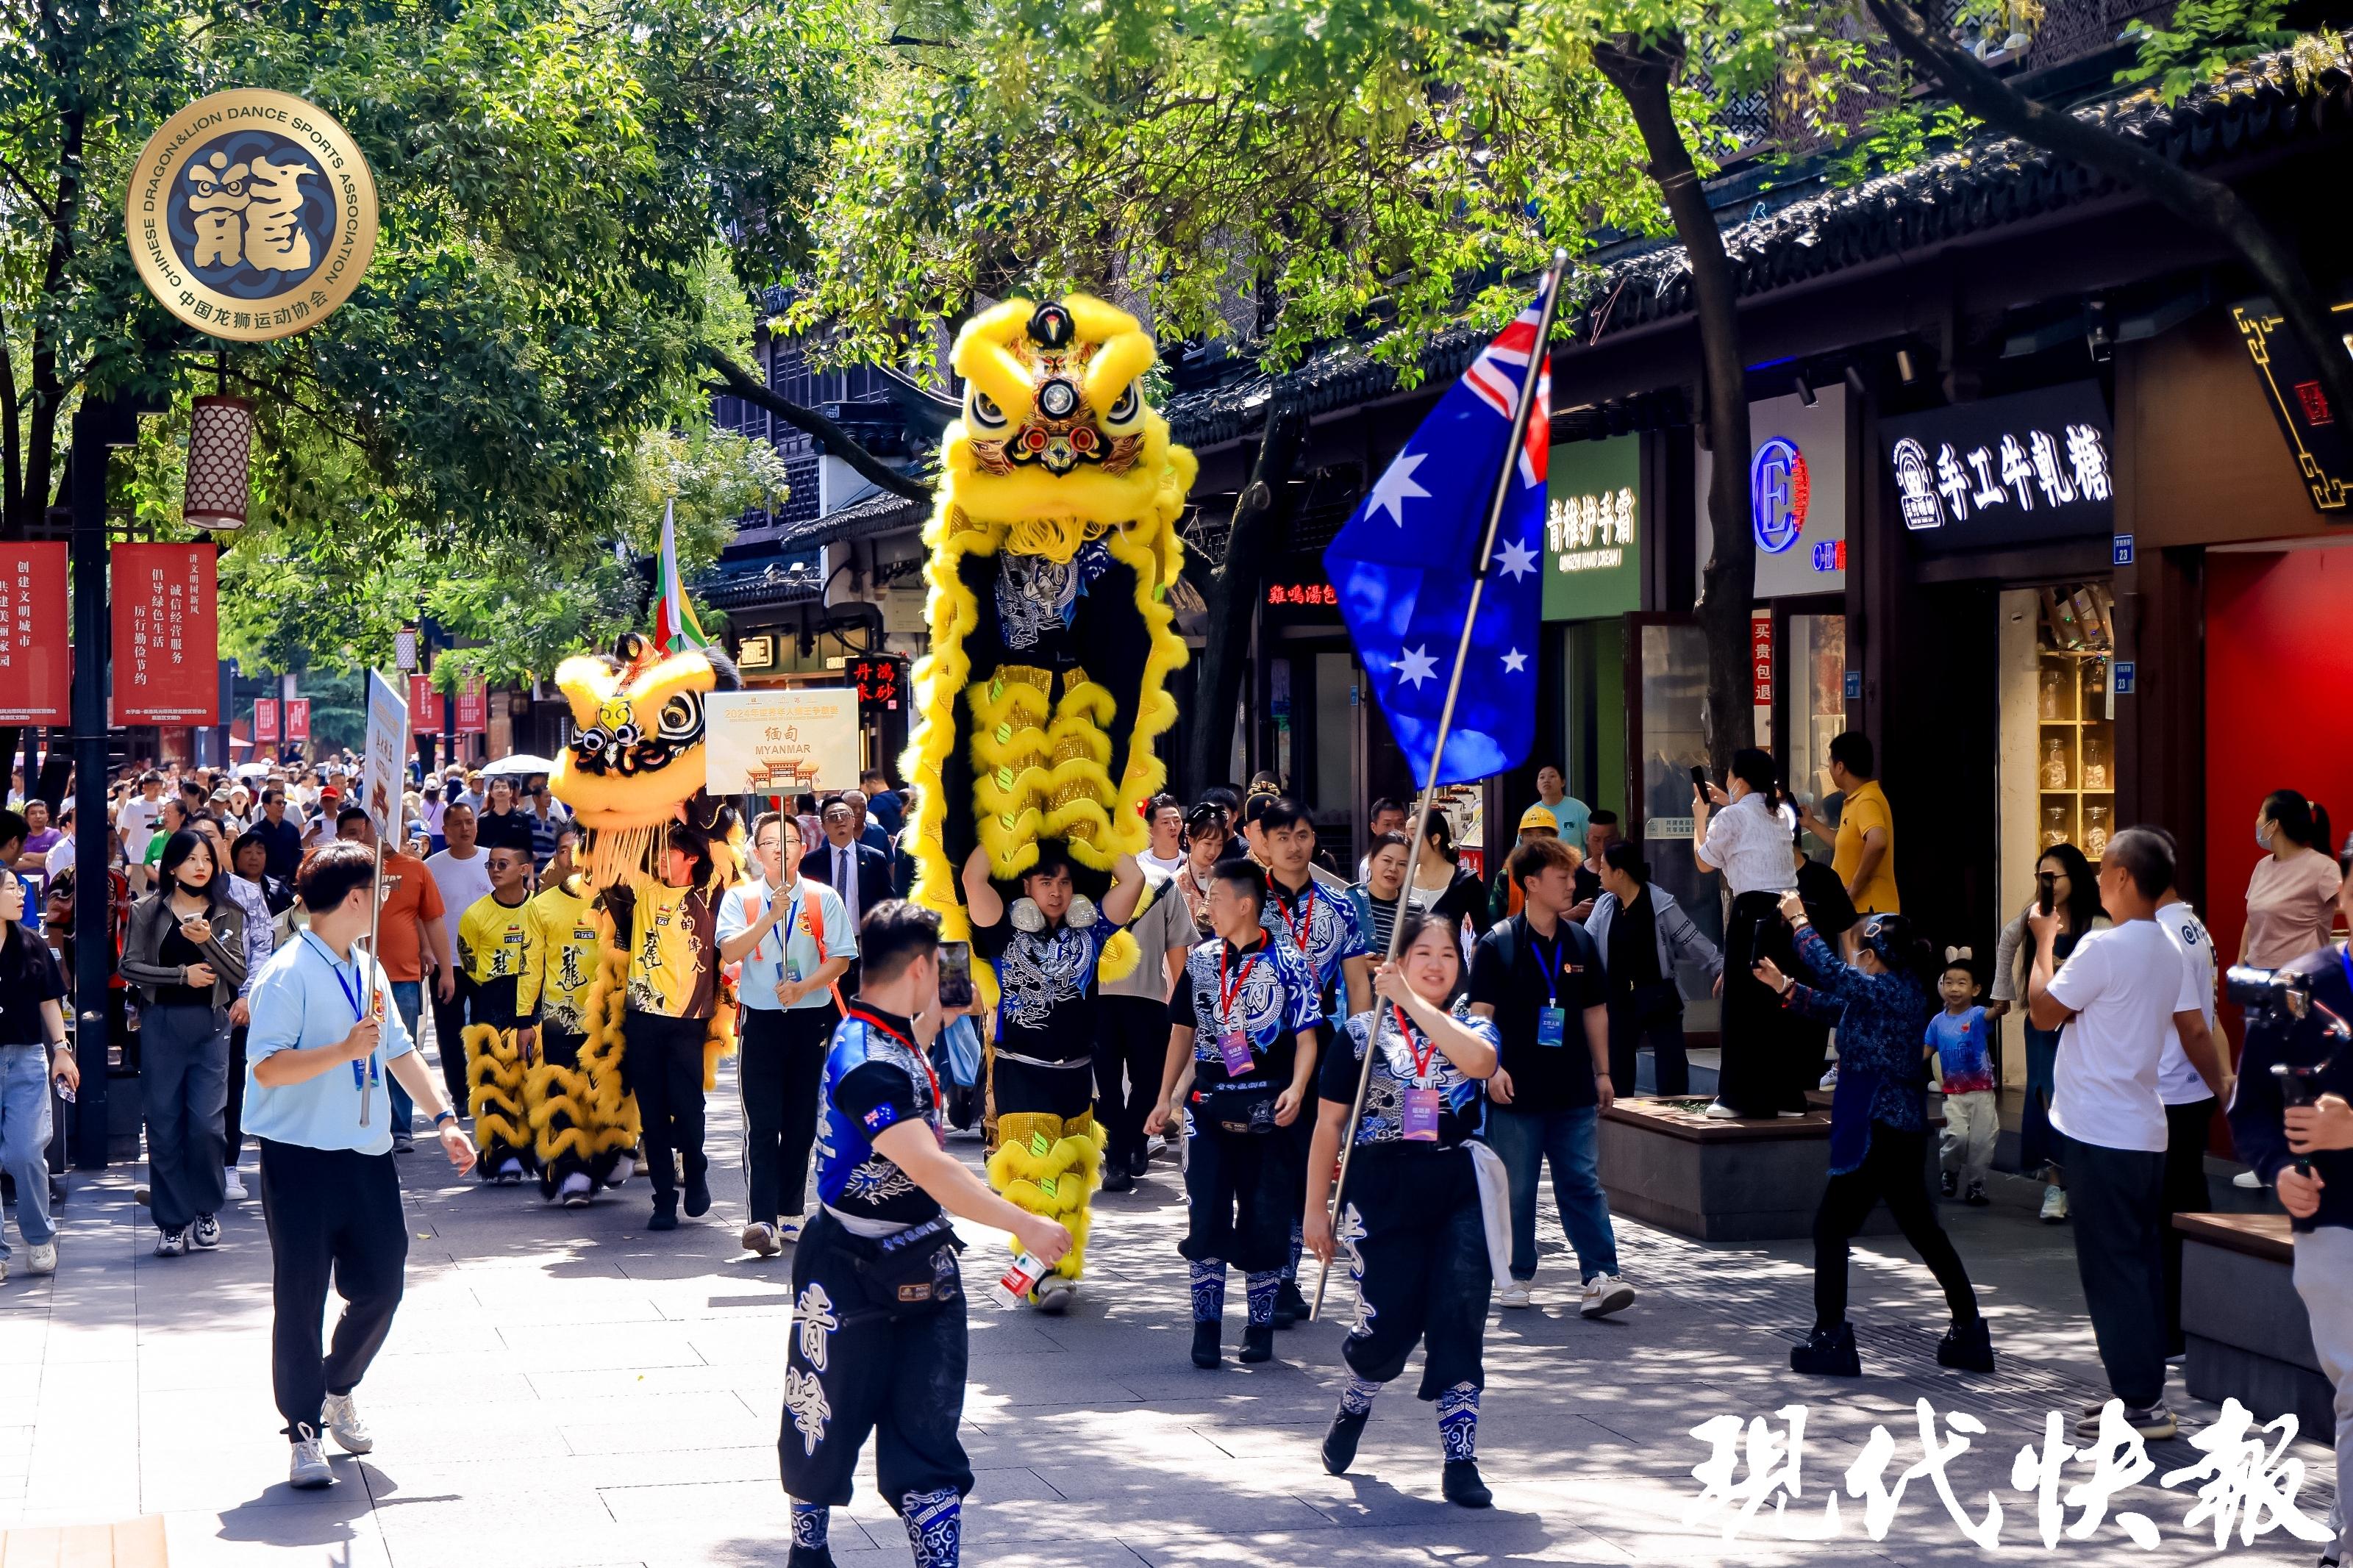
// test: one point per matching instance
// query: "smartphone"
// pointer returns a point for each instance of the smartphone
(2046, 895)
(1699, 780)
(955, 975)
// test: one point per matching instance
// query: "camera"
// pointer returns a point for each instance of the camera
(2269, 996)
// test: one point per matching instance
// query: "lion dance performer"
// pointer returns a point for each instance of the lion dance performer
(657, 853)
(1051, 552)
(583, 1125)
(493, 949)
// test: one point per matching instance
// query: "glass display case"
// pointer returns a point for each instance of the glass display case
(2059, 760)
(1666, 709)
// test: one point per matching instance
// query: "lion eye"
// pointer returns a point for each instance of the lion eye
(682, 719)
(984, 411)
(625, 736)
(1126, 409)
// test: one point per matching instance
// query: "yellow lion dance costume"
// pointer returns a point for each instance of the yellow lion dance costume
(1051, 547)
(633, 777)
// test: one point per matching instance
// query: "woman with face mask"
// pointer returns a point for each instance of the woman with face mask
(185, 952)
(2076, 896)
(2291, 893)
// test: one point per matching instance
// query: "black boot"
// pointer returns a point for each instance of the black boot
(1290, 1306)
(1258, 1342)
(665, 1215)
(809, 1557)
(698, 1196)
(1117, 1180)
(1462, 1485)
(1828, 1353)
(1204, 1344)
(1340, 1443)
(1966, 1347)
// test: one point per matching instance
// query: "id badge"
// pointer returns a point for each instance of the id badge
(1234, 1047)
(793, 971)
(1552, 1025)
(1418, 1121)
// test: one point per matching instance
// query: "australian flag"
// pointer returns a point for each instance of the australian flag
(1403, 565)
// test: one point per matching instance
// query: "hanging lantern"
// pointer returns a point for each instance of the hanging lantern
(221, 451)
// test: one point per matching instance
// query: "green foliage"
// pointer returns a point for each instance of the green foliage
(2205, 38)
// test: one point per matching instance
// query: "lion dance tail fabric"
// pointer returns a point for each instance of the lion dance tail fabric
(494, 1083)
(1051, 1165)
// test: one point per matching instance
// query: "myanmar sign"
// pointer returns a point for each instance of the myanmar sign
(251, 214)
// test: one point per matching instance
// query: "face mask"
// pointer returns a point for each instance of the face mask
(193, 889)
(2263, 831)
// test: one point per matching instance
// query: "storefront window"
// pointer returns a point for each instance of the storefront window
(1672, 701)
(1817, 694)
(2058, 726)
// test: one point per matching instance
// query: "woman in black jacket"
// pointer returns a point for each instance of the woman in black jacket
(1441, 888)
(185, 954)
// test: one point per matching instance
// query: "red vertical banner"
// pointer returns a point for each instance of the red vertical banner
(36, 667)
(166, 635)
(473, 708)
(1760, 658)
(424, 706)
(297, 721)
(265, 721)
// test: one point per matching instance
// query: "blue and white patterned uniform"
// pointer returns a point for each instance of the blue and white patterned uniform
(871, 1083)
(1463, 1099)
(1320, 928)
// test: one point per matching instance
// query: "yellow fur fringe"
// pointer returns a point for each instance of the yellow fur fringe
(1050, 1166)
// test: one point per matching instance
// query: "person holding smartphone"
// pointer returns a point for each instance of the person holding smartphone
(793, 937)
(33, 1055)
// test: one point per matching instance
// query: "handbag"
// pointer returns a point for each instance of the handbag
(1244, 1106)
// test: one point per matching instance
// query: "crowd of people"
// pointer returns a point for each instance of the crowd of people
(1424, 1039)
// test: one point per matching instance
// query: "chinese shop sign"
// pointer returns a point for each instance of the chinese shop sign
(2007, 471)
(166, 635)
(36, 686)
(2319, 437)
(880, 683)
(1593, 529)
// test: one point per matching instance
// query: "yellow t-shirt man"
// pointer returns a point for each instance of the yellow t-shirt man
(494, 944)
(1866, 808)
(563, 962)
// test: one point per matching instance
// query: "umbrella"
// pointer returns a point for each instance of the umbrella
(520, 765)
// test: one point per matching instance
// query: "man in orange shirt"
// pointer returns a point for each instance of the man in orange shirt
(411, 924)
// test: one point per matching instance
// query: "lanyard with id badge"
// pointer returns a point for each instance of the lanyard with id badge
(365, 1075)
(1233, 1044)
(1417, 1113)
(1552, 1018)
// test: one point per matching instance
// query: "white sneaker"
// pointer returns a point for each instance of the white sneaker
(232, 1184)
(1517, 1293)
(343, 1418)
(310, 1470)
(2248, 1181)
(1719, 1112)
(1054, 1293)
(760, 1237)
(2054, 1204)
(206, 1234)
(577, 1190)
(1605, 1294)
(789, 1228)
(44, 1259)
(1830, 1079)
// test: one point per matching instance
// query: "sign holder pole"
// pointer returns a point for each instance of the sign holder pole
(1539, 361)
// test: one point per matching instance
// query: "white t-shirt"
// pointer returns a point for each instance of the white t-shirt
(2125, 984)
(2178, 1082)
(1751, 845)
(137, 822)
(461, 883)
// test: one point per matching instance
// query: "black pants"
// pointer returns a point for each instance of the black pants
(334, 1217)
(778, 1074)
(850, 1372)
(1418, 1251)
(1241, 1189)
(2185, 1193)
(183, 1085)
(662, 1066)
(233, 1112)
(2115, 1198)
(448, 1034)
(1131, 1053)
(1764, 1067)
(1893, 1170)
(1631, 1023)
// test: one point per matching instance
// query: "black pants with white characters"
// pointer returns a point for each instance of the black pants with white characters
(334, 1218)
(1416, 1249)
(1240, 1190)
(850, 1371)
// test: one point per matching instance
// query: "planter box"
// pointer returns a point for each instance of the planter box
(2243, 1325)
(1664, 1164)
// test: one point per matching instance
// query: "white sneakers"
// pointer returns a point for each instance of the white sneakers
(789, 1227)
(44, 1259)
(1719, 1112)
(1054, 1293)
(309, 1469)
(233, 1184)
(343, 1418)
(206, 1234)
(2055, 1204)
(760, 1237)
(2247, 1181)
(1605, 1294)
(577, 1190)
(1517, 1293)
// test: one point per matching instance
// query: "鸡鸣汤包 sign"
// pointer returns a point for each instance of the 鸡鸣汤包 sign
(251, 214)
(781, 742)
(1794, 479)
(166, 635)
(1593, 529)
(36, 686)
(2007, 471)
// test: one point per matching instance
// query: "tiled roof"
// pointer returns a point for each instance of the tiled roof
(763, 580)
(1812, 230)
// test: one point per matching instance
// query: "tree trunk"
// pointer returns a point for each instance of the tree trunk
(746, 384)
(1644, 75)
(1232, 593)
(48, 388)
(2206, 205)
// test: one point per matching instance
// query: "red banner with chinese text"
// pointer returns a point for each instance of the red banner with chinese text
(265, 721)
(166, 635)
(36, 666)
(297, 721)
(424, 706)
(473, 707)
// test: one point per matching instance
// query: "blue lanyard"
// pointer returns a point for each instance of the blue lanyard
(1552, 964)
(362, 1075)
(783, 931)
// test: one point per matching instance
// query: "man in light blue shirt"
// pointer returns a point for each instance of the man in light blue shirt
(793, 937)
(324, 1037)
(1552, 794)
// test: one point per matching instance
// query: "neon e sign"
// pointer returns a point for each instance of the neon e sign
(1778, 493)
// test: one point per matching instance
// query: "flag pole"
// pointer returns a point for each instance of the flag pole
(1521, 413)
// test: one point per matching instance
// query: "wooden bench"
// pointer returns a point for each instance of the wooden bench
(1665, 1163)
(2243, 1325)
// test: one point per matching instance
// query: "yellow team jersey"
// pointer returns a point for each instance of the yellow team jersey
(673, 948)
(563, 959)
(495, 939)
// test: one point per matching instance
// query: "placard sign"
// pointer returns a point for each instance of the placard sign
(297, 721)
(383, 762)
(36, 685)
(781, 742)
(424, 706)
(473, 707)
(265, 721)
(166, 635)
(2026, 469)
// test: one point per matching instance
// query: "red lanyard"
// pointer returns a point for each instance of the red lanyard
(1303, 926)
(871, 1022)
(1420, 1058)
(1225, 996)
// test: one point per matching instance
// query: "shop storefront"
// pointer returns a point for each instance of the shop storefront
(1595, 530)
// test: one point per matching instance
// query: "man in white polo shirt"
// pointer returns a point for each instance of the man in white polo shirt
(2124, 996)
(323, 1035)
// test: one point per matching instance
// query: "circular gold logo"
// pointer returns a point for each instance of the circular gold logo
(251, 214)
